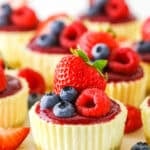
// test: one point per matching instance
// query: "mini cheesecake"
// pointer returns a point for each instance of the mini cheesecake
(126, 79)
(114, 14)
(46, 49)
(13, 102)
(74, 131)
(17, 26)
(145, 109)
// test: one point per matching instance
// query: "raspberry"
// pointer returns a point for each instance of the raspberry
(71, 34)
(24, 17)
(124, 61)
(90, 39)
(117, 9)
(146, 29)
(3, 81)
(34, 79)
(134, 120)
(93, 103)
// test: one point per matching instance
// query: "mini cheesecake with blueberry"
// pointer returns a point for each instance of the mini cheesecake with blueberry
(52, 41)
(13, 100)
(78, 114)
(102, 14)
(126, 80)
(145, 111)
(143, 49)
(17, 26)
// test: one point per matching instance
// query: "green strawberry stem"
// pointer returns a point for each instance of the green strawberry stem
(99, 65)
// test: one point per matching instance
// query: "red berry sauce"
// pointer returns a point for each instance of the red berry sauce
(48, 116)
(48, 50)
(10, 28)
(13, 86)
(115, 77)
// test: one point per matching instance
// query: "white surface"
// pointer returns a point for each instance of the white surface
(45, 8)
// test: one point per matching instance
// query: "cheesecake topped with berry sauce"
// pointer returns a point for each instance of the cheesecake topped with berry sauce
(123, 68)
(13, 94)
(77, 110)
(20, 19)
(114, 11)
(52, 42)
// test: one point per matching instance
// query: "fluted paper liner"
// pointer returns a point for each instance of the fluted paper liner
(13, 108)
(102, 136)
(145, 111)
(43, 63)
(128, 92)
(146, 68)
(11, 45)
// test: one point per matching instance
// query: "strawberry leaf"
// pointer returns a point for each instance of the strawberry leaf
(100, 64)
(81, 54)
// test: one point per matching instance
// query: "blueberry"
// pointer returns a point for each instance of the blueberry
(33, 98)
(4, 20)
(56, 27)
(97, 8)
(46, 40)
(143, 46)
(49, 100)
(68, 94)
(100, 51)
(140, 146)
(64, 109)
(5, 10)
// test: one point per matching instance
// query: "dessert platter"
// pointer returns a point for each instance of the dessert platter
(71, 83)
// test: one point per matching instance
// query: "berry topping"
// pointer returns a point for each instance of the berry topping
(100, 51)
(24, 17)
(117, 9)
(140, 146)
(11, 138)
(71, 34)
(33, 98)
(134, 120)
(5, 10)
(3, 82)
(90, 39)
(143, 47)
(68, 94)
(124, 61)
(64, 109)
(146, 29)
(49, 100)
(46, 40)
(56, 27)
(76, 71)
(4, 20)
(93, 103)
(34, 79)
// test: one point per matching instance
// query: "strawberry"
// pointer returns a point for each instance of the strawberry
(3, 81)
(134, 120)
(24, 17)
(117, 9)
(76, 72)
(71, 34)
(93, 103)
(89, 39)
(2, 64)
(146, 29)
(34, 79)
(124, 61)
(11, 138)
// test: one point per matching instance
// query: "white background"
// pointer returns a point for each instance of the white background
(44, 8)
